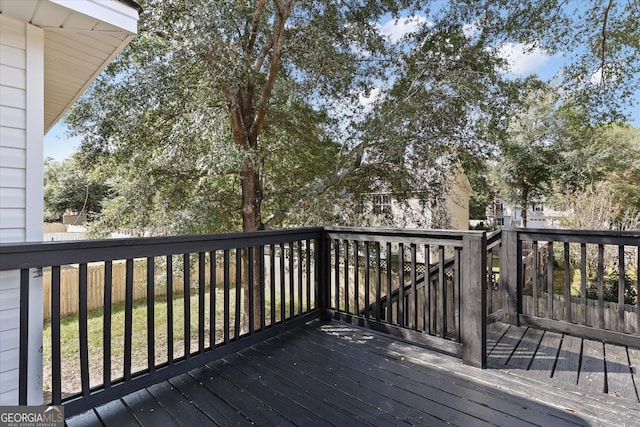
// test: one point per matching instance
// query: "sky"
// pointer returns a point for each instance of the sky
(522, 61)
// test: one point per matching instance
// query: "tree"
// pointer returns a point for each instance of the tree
(68, 188)
(527, 156)
(209, 90)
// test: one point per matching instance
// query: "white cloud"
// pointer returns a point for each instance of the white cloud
(522, 59)
(395, 29)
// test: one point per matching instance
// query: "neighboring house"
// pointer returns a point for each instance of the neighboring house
(539, 215)
(420, 210)
(50, 52)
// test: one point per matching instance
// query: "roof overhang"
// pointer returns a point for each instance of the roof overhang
(81, 37)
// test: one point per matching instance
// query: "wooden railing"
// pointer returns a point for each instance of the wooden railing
(202, 319)
(444, 308)
(205, 297)
(559, 280)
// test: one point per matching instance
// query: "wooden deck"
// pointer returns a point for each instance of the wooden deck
(565, 360)
(335, 374)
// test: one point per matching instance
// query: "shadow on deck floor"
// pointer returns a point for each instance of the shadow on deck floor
(336, 374)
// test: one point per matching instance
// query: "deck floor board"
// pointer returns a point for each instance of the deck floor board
(619, 380)
(592, 368)
(337, 374)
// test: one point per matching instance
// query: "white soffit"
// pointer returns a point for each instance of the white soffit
(81, 38)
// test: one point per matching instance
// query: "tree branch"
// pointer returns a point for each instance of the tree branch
(283, 13)
(604, 41)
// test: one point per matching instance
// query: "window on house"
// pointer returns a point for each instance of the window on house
(381, 204)
(359, 207)
(537, 207)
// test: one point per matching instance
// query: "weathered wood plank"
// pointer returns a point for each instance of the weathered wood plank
(523, 355)
(634, 361)
(591, 375)
(568, 363)
(619, 380)
(495, 331)
(502, 351)
(545, 358)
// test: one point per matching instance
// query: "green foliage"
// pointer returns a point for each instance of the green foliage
(529, 153)
(229, 115)
(68, 188)
(610, 288)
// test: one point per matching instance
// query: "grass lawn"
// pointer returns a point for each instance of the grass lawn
(69, 333)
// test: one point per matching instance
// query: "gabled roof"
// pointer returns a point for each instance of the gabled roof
(81, 37)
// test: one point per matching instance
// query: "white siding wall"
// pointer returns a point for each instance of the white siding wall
(21, 132)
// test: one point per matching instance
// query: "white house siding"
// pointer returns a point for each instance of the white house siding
(21, 132)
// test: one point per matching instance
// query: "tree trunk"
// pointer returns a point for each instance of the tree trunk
(525, 205)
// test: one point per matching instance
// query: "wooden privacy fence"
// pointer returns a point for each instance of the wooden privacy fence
(69, 285)
(609, 312)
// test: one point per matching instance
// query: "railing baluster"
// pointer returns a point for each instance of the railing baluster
(346, 276)
(621, 287)
(106, 328)
(378, 282)
(567, 284)
(336, 257)
(414, 289)
(534, 278)
(83, 318)
(128, 318)
(251, 284)
(24, 337)
(238, 294)
(292, 298)
(401, 296)
(389, 315)
(601, 286)
(263, 303)
(583, 281)
(457, 271)
(300, 265)
(308, 284)
(201, 288)
(550, 278)
(56, 361)
(283, 287)
(169, 261)
(151, 347)
(442, 298)
(186, 290)
(490, 278)
(426, 296)
(213, 287)
(272, 282)
(356, 277)
(367, 279)
(227, 280)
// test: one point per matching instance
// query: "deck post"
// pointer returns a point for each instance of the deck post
(473, 295)
(323, 265)
(510, 274)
